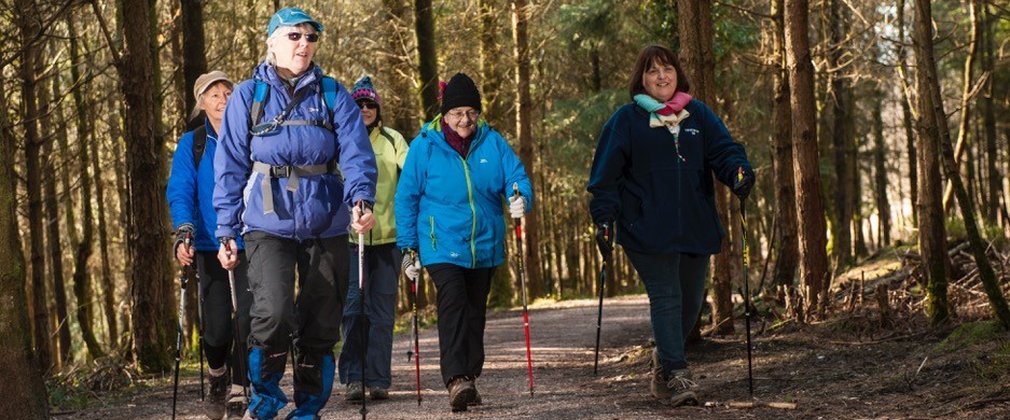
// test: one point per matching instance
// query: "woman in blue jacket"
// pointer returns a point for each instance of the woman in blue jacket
(651, 182)
(190, 191)
(288, 136)
(448, 210)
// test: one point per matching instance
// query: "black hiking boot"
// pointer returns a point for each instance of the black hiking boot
(477, 400)
(214, 407)
(461, 393)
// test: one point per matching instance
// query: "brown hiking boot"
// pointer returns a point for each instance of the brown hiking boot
(677, 388)
(461, 393)
(477, 400)
(214, 406)
(236, 402)
(354, 392)
(378, 393)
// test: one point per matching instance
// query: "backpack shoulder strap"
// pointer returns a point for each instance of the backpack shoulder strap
(329, 86)
(259, 96)
(199, 144)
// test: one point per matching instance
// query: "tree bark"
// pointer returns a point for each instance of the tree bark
(806, 168)
(936, 291)
(785, 186)
(194, 57)
(23, 389)
(427, 58)
(150, 284)
(995, 185)
(52, 226)
(400, 47)
(906, 113)
(106, 280)
(28, 26)
(82, 278)
(491, 76)
(841, 138)
(932, 239)
(880, 171)
(527, 145)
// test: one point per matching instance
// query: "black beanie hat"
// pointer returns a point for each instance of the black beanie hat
(460, 91)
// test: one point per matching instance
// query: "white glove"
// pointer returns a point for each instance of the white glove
(517, 206)
(411, 265)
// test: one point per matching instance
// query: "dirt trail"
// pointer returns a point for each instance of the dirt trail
(827, 379)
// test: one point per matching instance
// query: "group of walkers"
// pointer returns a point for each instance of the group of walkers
(291, 174)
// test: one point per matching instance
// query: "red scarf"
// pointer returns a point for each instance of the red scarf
(459, 144)
(675, 104)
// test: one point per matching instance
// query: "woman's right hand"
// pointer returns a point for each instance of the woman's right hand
(227, 253)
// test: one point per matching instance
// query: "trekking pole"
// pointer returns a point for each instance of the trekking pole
(238, 346)
(199, 329)
(522, 277)
(183, 281)
(746, 286)
(363, 321)
(417, 347)
(599, 311)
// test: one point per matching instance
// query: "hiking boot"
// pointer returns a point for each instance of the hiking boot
(461, 393)
(214, 405)
(681, 386)
(354, 392)
(377, 393)
(477, 400)
(236, 402)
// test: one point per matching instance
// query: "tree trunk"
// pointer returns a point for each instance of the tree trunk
(400, 47)
(785, 186)
(995, 185)
(527, 147)
(930, 86)
(52, 226)
(82, 278)
(932, 240)
(24, 392)
(108, 284)
(427, 58)
(150, 284)
(491, 76)
(806, 167)
(841, 138)
(28, 27)
(880, 171)
(966, 85)
(906, 114)
(194, 61)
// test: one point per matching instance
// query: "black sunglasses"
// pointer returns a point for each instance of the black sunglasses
(368, 105)
(296, 36)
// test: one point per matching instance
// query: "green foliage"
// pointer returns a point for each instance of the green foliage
(955, 228)
(971, 334)
(991, 366)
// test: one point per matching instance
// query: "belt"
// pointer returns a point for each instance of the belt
(292, 173)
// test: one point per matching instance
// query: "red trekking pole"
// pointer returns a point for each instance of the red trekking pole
(522, 277)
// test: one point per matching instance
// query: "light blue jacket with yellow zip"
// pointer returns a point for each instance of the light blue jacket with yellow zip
(450, 208)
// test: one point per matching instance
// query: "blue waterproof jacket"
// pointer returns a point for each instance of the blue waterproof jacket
(450, 208)
(190, 190)
(318, 208)
(663, 204)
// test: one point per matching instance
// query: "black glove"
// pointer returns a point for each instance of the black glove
(743, 183)
(184, 234)
(605, 238)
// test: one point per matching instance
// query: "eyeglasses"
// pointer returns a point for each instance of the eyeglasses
(297, 36)
(458, 115)
(368, 105)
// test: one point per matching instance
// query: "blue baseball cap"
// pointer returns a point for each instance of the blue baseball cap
(291, 16)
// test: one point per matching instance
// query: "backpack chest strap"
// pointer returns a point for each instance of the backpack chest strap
(292, 173)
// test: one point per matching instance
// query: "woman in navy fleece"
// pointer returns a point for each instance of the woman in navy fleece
(651, 180)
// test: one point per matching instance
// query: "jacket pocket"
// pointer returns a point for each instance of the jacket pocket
(434, 240)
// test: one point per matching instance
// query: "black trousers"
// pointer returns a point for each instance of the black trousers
(310, 321)
(462, 312)
(216, 308)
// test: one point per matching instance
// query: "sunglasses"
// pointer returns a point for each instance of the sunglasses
(368, 105)
(297, 36)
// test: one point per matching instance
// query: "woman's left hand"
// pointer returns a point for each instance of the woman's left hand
(362, 219)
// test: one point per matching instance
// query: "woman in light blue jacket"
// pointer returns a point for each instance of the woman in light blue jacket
(449, 211)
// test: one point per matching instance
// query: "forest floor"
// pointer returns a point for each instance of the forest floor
(849, 366)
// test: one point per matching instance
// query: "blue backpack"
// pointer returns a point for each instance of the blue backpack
(329, 92)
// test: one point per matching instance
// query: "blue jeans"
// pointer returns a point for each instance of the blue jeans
(382, 271)
(675, 284)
